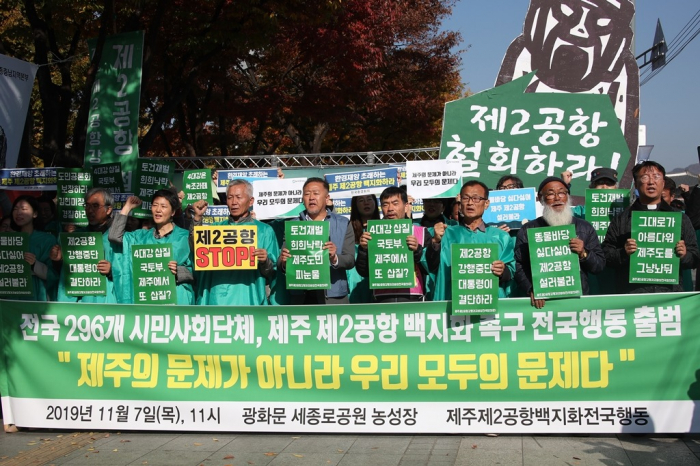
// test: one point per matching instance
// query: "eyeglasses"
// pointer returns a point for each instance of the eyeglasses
(474, 199)
(552, 194)
(508, 186)
(93, 206)
(654, 176)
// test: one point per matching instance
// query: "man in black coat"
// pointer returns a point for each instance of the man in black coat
(553, 193)
(619, 245)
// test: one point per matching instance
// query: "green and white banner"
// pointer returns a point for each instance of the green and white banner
(154, 283)
(151, 175)
(474, 286)
(71, 186)
(602, 205)
(556, 272)
(309, 267)
(112, 132)
(426, 179)
(196, 185)
(278, 198)
(655, 260)
(109, 177)
(390, 260)
(591, 365)
(15, 272)
(81, 253)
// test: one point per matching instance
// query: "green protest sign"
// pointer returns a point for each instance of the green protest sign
(81, 253)
(556, 272)
(602, 205)
(15, 272)
(655, 260)
(505, 131)
(196, 186)
(474, 286)
(589, 365)
(309, 267)
(154, 283)
(71, 186)
(390, 260)
(151, 175)
(112, 132)
(108, 176)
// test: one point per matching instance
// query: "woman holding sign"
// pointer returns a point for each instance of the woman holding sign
(164, 204)
(25, 219)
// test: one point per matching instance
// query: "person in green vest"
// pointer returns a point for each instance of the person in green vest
(238, 287)
(99, 204)
(474, 200)
(25, 219)
(164, 204)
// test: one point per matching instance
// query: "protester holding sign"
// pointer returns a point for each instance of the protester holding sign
(393, 201)
(362, 209)
(619, 245)
(238, 287)
(25, 218)
(99, 203)
(164, 204)
(315, 194)
(553, 194)
(473, 202)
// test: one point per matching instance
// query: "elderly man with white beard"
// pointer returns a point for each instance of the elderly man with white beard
(553, 193)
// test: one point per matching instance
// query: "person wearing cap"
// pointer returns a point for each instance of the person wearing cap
(553, 194)
(601, 178)
(474, 200)
(618, 245)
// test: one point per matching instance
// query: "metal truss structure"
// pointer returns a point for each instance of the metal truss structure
(248, 162)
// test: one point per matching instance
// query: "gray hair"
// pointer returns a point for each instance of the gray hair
(106, 196)
(240, 181)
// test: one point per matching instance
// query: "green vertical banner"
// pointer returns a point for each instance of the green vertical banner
(556, 272)
(154, 283)
(15, 272)
(81, 253)
(390, 260)
(309, 267)
(112, 132)
(474, 286)
(109, 177)
(602, 205)
(151, 175)
(197, 186)
(71, 186)
(656, 234)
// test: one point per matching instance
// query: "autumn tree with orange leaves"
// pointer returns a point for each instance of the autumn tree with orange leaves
(245, 77)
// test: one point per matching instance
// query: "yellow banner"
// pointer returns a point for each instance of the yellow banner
(225, 247)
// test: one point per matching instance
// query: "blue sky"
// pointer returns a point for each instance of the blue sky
(669, 103)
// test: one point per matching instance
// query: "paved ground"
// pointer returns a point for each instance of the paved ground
(50, 447)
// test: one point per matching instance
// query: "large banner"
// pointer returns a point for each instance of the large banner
(16, 83)
(112, 132)
(592, 365)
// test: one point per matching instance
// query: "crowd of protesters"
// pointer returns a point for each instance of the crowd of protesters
(604, 267)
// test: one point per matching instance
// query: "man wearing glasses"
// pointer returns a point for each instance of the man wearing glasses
(619, 245)
(553, 194)
(474, 200)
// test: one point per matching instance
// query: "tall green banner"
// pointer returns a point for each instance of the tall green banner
(655, 260)
(15, 272)
(151, 175)
(309, 267)
(390, 260)
(610, 364)
(474, 286)
(556, 272)
(71, 186)
(154, 283)
(112, 132)
(81, 253)
(602, 205)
